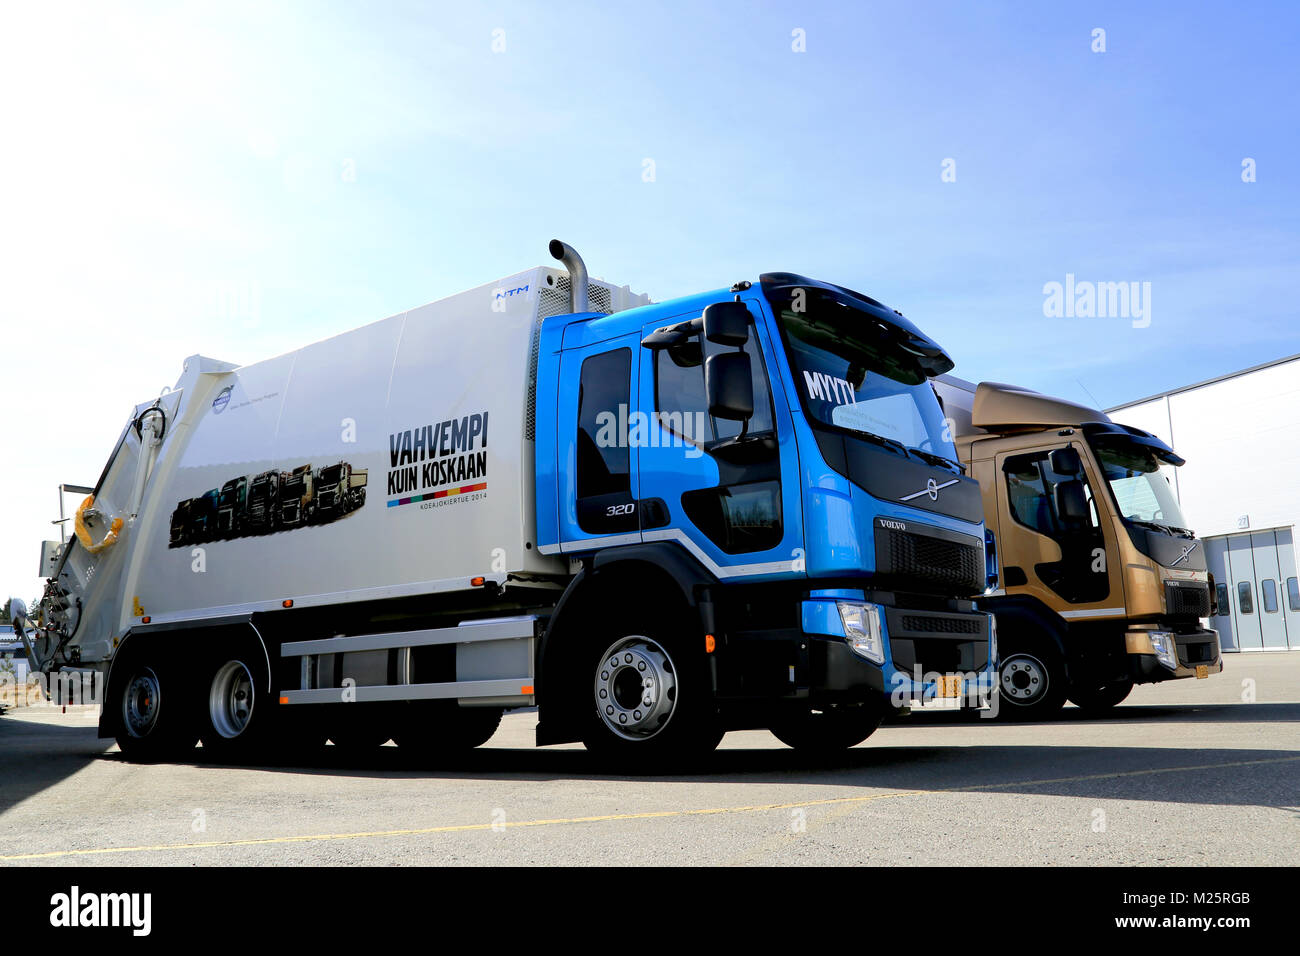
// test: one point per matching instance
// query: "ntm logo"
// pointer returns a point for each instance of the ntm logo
(507, 293)
(74, 909)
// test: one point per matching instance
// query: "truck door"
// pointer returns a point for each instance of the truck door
(1244, 593)
(703, 485)
(598, 479)
(1056, 550)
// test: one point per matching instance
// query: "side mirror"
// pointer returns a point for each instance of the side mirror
(1065, 461)
(729, 384)
(727, 323)
(1071, 502)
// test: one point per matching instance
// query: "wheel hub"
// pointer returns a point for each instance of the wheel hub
(1024, 679)
(230, 699)
(140, 704)
(635, 688)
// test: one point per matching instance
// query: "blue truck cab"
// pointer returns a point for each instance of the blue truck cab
(765, 517)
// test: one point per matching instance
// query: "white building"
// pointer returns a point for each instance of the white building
(1239, 491)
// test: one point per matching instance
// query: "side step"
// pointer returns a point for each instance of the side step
(494, 665)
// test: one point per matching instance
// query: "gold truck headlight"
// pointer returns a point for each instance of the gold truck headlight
(863, 631)
(1166, 650)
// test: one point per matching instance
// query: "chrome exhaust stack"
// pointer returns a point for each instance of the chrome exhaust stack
(577, 273)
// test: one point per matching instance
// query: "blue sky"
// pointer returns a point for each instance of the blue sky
(238, 179)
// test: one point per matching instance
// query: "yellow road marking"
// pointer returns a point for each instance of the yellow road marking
(647, 815)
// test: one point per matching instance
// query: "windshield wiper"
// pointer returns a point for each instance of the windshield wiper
(931, 458)
(882, 441)
(1171, 529)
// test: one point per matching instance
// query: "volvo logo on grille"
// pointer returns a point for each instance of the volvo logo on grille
(1187, 551)
(892, 525)
(932, 488)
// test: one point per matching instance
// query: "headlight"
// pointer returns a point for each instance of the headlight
(862, 630)
(990, 562)
(1166, 652)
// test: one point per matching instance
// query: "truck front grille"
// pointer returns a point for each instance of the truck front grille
(1187, 600)
(942, 625)
(930, 564)
(937, 641)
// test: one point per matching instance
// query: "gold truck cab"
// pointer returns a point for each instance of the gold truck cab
(1100, 583)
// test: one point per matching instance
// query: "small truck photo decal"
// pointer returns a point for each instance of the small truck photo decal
(268, 502)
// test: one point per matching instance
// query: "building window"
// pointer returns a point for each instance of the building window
(1221, 597)
(1243, 598)
(1293, 594)
(1268, 587)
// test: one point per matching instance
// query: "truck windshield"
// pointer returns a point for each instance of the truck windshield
(851, 376)
(1141, 483)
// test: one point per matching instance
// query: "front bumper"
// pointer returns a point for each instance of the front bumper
(1196, 654)
(921, 647)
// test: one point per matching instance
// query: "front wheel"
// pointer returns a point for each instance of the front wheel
(1031, 684)
(827, 731)
(649, 698)
(1100, 699)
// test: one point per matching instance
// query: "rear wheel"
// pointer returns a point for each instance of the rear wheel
(155, 721)
(1031, 684)
(238, 712)
(1100, 699)
(827, 731)
(649, 697)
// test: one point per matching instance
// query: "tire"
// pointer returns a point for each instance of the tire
(1031, 683)
(155, 712)
(625, 670)
(237, 706)
(1100, 699)
(437, 727)
(828, 731)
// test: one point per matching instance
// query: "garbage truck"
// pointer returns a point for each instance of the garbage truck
(1101, 584)
(655, 522)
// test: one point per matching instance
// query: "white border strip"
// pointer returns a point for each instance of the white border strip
(1095, 612)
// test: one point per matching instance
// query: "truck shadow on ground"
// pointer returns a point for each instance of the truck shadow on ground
(1261, 778)
(1124, 714)
(1255, 777)
(35, 756)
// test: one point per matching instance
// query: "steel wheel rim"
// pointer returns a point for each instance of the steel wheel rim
(636, 688)
(1024, 680)
(230, 699)
(141, 702)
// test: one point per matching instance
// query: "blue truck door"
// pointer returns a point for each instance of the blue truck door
(723, 501)
(598, 478)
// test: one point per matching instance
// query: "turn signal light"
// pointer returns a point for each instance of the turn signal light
(710, 645)
(287, 602)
